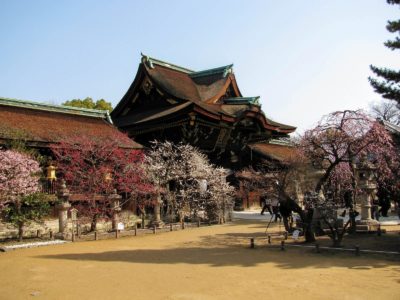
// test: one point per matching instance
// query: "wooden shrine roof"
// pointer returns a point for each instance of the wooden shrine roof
(205, 90)
(183, 86)
(40, 124)
(275, 151)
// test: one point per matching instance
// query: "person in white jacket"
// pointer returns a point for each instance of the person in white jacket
(275, 209)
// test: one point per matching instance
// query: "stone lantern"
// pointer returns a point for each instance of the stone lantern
(63, 206)
(115, 204)
(365, 177)
(157, 222)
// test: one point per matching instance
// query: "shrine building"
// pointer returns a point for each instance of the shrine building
(203, 108)
(38, 125)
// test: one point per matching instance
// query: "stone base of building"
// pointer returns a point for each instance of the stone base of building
(367, 225)
(62, 236)
(157, 223)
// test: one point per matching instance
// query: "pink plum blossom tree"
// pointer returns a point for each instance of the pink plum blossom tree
(340, 140)
(19, 187)
(93, 167)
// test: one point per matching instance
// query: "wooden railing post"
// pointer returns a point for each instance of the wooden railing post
(252, 245)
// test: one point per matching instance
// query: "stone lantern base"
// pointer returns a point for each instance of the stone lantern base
(63, 236)
(157, 223)
(367, 225)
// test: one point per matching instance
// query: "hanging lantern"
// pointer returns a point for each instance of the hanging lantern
(107, 176)
(51, 172)
(192, 117)
(234, 157)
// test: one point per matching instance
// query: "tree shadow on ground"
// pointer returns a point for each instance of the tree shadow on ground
(233, 250)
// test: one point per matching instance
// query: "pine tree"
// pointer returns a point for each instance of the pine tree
(389, 87)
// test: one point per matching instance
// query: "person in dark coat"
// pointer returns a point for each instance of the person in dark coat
(266, 204)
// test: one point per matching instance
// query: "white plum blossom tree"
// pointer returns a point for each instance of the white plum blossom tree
(188, 181)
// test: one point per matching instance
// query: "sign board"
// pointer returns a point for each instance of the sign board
(74, 213)
(121, 226)
(295, 234)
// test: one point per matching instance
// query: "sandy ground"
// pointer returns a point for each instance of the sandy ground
(201, 263)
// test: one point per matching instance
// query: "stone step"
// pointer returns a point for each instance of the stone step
(362, 227)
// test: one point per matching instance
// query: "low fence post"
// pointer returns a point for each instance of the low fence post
(135, 229)
(154, 229)
(317, 248)
(95, 236)
(170, 227)
(282, 245)
(357, 251)
(269, 239)
(252, 245)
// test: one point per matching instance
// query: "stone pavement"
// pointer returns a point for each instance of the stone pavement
(254, 214)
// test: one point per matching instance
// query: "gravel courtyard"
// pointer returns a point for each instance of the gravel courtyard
(201, 263)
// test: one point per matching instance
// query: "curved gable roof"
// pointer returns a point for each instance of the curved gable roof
(204, 89)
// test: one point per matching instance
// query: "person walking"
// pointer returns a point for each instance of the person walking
(275, 209)
(266, 204)
(375, 209)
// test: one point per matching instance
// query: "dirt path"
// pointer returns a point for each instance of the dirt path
(206, 263)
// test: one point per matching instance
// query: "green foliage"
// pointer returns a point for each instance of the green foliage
(88, 102)
(389, 86)
(30, 208)
(16, 139)
(103, 105)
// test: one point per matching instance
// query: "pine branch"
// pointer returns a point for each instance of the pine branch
(393, 1)
(386, 90)
(388, 74)
(393, 26)
(393, 45)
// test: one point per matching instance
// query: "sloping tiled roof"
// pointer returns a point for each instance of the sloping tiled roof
(195, 86)
(277, 152)
(393, 128)
(44, 123)
(205, 89)
(56, 108)
(150, 115)
(175, 83)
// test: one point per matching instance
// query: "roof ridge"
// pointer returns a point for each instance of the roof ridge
(150, 61)
(224, 69)
(243, 100)
(391, 125)
(277, 124)
(281, 142)
(54, 108)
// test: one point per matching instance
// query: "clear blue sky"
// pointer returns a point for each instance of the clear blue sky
(304, 58)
